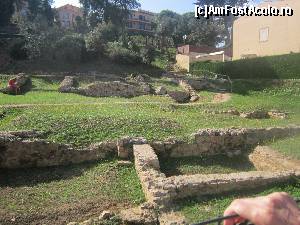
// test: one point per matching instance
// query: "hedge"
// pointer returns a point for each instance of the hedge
(271, 67)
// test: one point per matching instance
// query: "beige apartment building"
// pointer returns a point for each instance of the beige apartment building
(265, 36)
(67, 15)
(140, 21)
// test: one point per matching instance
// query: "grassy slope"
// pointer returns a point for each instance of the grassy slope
(205, 208)
(30, 191)
(275, 67)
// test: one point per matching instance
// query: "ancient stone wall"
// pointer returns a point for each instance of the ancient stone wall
(199, 185)
(222, 141)
(163, 191)
(116, 88)
(17, 152)
(148, 170)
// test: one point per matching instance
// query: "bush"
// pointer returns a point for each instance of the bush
(97, 39)
(17, 50)
(271, 67)
(147, 54)
(120, 54)
(70, 48)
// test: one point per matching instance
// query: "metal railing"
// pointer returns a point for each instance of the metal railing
(220, 220)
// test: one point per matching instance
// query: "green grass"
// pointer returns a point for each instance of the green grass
(82, 124)
(288, 146)
(197, 210)
(205, 165)
(170, 86)
(274, 67)
(30, 191)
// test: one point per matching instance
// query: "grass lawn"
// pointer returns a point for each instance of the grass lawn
(205, 165)
(289, 146)
(197, 210)
(112, 118)
(77, 192)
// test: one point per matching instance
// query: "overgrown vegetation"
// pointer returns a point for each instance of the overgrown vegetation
(271, 67)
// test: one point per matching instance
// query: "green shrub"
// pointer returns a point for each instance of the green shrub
(70, 48)
(17, 50)
(271, 67)
(147, 54)
(120, 54)
(97, 39)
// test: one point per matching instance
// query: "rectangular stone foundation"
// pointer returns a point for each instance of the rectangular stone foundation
(163, 191)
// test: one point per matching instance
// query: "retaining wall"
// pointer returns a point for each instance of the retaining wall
(222, 141)
(199, 185)
(16, 152)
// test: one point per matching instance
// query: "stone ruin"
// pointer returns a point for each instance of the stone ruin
(23, 83)
(26, 149)
(133, 86)
(256, 114)
(106, 89)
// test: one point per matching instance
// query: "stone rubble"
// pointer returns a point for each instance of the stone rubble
(23, 82)
(257, 114)
(69, 84)
(187, 87)
(180, 96)
(161, 90)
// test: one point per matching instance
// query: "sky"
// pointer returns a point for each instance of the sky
(179, 6)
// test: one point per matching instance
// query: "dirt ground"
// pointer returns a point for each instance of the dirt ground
(221, 97)
(63, 214)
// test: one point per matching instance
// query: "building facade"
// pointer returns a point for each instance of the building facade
(67, 15)
(266, 36)
(140, 21)
(188, 54)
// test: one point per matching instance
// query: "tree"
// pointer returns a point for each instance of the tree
(227, 20)
(40, 8)
(6, 11)
(168, 28)
(115, 11)
(202, 31)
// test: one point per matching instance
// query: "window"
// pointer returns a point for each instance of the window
(130, 25)
(142, 26)
(142, 17)
(264, 34)
(66, 16)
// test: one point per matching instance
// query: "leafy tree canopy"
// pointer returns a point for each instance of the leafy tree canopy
(115, 11)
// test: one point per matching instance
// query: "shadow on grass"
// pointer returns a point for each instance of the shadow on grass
(100, 66)
(33, 176)
(205, 165)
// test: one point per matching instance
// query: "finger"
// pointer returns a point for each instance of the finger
(245, 208)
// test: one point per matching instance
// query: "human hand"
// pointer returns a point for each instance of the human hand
(274, 209)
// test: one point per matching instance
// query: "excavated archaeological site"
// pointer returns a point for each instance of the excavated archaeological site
(27, 149)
